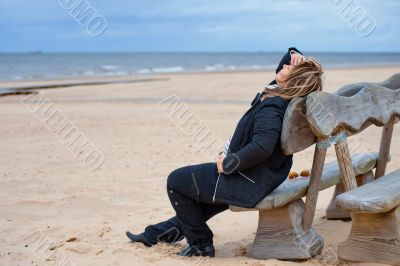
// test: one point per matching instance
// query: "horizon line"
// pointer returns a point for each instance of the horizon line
(182, 52)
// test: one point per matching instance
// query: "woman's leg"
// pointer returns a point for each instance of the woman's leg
(170, 231)
(190, 190)
(195, 182)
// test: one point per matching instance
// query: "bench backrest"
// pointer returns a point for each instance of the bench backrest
(297, 134)
(326, 119)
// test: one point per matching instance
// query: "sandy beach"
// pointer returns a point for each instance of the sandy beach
(80, 215)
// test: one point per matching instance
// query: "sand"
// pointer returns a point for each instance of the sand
(54, 208)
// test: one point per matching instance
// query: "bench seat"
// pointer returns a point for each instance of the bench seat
(381, 195)
(292, 190)
(375, 230)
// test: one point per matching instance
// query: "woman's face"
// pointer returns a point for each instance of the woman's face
(282, 74)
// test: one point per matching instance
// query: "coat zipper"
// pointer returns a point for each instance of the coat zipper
(259, 95)
(251, 180)
(197, 188)
(216, 185)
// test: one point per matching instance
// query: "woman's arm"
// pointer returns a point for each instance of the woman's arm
(266, 134)
(286, 59)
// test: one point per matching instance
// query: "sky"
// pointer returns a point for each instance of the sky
(199, 25)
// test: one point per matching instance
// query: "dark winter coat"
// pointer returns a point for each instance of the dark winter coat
(255, 164)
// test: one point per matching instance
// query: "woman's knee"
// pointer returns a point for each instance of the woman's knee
(179, 178)
(172, 179)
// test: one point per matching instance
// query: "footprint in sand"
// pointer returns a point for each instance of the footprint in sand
(8, 230)
(104, 230)
(60, 244)
(241, 251)
(119, 250)
(80, 249)
(99, 252)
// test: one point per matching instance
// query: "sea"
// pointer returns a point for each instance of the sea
(39, 65)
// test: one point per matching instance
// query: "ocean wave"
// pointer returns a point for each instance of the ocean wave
(17, 77)
(143, 71)
(215, 67)
(109, 67)
(116, 73)
(88, 73)
(256, 67)
(168, 69)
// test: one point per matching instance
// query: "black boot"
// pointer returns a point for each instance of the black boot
(189, 251)
(140, 238)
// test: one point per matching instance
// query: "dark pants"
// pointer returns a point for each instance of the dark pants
(190, 190)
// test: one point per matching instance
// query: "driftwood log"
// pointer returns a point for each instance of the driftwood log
(375, 232)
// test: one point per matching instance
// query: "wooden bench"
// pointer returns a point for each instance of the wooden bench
(284, 228)
(375, 231)
(280, 233)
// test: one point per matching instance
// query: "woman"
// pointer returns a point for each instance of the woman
(253, 167)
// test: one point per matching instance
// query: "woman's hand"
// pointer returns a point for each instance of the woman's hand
(220, 159)
(296, 58)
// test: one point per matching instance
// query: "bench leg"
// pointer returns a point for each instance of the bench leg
(280, 235)
(373, 238)
(336, 213)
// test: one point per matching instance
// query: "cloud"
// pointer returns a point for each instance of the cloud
(195, 25)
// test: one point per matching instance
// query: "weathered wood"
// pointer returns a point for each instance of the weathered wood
(336, 213)
(330, 114)
(313, 187)
(384, 150)
(280, 235)
(291, 190)
(348, 177)
(296, 133)
(373, 238)
(379, 196)
(392, 83)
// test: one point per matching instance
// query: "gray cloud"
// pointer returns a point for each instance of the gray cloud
(198, 25)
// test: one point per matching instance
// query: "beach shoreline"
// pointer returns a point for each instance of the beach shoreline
(107, 78)
(32, 86)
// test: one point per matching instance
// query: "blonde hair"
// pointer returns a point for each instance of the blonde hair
(302, 79)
